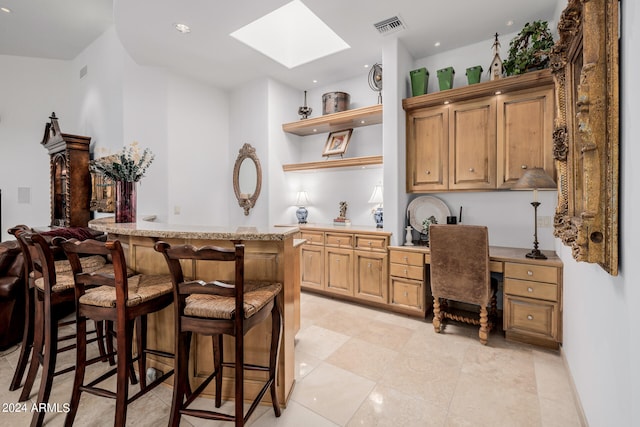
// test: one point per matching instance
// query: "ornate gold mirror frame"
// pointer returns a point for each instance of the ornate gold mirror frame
(586, 135)
(247, 159)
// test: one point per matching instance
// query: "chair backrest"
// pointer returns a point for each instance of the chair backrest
(460, 263)
(74, 249)
(221, 286)
(38, 258)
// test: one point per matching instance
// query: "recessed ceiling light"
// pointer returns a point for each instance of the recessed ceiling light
(183, 28)
(498, 92)
(509, 23)
(436, 44)
(5, 9)
(291, 35)
(446, 102)
(315, 81)
(366, 65)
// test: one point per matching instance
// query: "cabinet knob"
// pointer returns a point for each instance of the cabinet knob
(427, 172)
(470, 169)
(338, 241)
(529, 289)
(370, 243)
(529, 273)
(523, 166)
(406, 258)
(529, 317)
(369, 266)
(406, 294)
(405, 271)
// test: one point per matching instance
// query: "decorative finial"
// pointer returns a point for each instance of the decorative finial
(304, 111)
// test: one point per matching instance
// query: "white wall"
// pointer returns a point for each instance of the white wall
(31, 89)
(601, 330)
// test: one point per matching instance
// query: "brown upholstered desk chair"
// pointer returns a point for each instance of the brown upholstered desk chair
(53, 301)
(460, 272)
(219, 307)
(122, 300)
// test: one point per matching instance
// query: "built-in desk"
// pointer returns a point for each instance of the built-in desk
(532, 304)
(272, 253)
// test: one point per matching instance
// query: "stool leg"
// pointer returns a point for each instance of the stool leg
(276, 327)
(48, 363)
(36, 352)
(141, 338)
(180, 376)
(81, 364)
(239, 379)
(217, 366)
(27, 342)
(124, 343)
(109, 337)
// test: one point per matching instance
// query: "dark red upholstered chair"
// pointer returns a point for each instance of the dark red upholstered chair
(226, 306)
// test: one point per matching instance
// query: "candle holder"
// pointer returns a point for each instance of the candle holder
(535, 253)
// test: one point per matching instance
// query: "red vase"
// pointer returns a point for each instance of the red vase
(125, 201)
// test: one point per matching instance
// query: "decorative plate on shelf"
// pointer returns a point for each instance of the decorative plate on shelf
(423, 207)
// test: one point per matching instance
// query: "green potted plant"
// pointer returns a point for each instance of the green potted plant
(529, 50)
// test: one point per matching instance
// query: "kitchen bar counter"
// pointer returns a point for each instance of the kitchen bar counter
(272, 253)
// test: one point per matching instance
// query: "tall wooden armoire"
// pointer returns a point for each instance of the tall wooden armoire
(70, 179)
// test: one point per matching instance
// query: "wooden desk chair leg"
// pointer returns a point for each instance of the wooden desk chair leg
(36, 352)
(484, 325)
(437, 315)
(27, 343)
(181, 387)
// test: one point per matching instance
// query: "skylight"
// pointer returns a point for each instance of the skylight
(291, 35)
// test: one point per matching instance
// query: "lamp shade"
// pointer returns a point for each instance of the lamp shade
(535, 179)
(302, 199)
(376, 196)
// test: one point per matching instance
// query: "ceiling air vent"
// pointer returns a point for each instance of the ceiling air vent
(390, 25)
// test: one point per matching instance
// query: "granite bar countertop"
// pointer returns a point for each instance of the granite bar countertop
(187, 231)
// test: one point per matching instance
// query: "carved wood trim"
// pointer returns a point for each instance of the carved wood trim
(585, 66)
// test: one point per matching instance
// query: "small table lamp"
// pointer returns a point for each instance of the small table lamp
(302, 199)
(376, 198)
(535, 179)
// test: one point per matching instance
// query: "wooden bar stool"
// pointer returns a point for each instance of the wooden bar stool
(217, 308)
(120, 300)
(53, 301)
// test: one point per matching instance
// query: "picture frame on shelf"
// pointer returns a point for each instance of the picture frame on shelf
(337, 143)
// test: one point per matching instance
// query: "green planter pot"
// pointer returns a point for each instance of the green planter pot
(419, 81)
(445, 78)
(473, 74)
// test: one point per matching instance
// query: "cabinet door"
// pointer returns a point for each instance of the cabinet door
(312, 257)
(371, 276)
(339, 270)
(525, 134)
(427, 149)
(472, 145)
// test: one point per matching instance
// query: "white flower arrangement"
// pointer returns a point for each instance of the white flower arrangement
(126, 165)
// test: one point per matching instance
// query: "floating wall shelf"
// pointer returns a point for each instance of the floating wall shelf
(352, 162)
(357, 117)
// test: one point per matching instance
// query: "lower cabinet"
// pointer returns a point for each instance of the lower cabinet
(352, 263)
(407, 281)
(532, 304)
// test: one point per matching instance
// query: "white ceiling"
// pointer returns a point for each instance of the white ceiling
(63, 28)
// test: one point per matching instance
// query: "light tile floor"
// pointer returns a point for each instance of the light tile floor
(363, 367)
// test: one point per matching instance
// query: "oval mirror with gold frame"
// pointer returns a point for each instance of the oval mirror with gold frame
(585, 70)
(247, 178)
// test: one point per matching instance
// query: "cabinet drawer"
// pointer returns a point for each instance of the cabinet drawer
(407, 293)
(374, 243)
(407, 258)
(539, 273)
(339, 240)
(529, 289)
(533, 317)
(312, 237)
(407, 271)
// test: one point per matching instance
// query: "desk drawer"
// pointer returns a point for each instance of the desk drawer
(533, 317)
(407, 293)
(312, 237)
(407, 271)
(539, 273)
(528, 289)
(374, 243)
(341, 240)
(406, 258)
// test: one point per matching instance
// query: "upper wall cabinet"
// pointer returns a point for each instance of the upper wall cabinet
(482, 136)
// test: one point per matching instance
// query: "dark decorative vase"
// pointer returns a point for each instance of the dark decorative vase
(125, 201)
